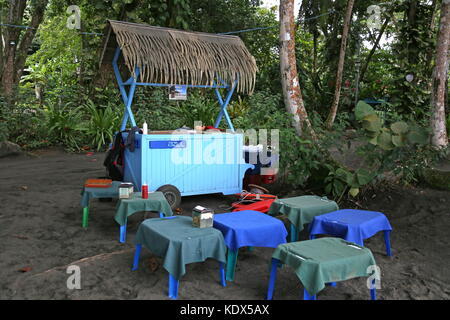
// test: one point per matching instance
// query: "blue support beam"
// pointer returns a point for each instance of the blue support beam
(224, 105)
(127, 98)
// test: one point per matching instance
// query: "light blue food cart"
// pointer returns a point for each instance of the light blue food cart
(189, 162)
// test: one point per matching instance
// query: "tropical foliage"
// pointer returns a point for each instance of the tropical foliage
(63, 96)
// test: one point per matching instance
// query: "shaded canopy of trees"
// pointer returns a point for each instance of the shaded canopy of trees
(340, 57)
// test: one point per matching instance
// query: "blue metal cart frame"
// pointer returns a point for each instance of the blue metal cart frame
(132, 82)
(149, 162)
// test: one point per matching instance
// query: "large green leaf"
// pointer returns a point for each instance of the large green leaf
(362, 110)
(372, 123)
(354, 192)
(400, 127)
(398, 141)
(374, 140)
(364, 176)
(385, 141)
(418, 135)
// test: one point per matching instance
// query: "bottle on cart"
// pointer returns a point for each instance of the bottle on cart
(145, 128)
(144, 191)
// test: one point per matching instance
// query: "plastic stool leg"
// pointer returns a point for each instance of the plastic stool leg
(331, 284)
(231, 264)
(123, 233)
(85, 217)
(173, 287)
(307, 296)
(373, 294)
(273, 278)
(294, 233)
(223, 282)
(137, 254)
(373, 291)
(387, 241)
(161, 215)
(312, 236)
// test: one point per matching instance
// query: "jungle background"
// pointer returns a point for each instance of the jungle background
(55, 94)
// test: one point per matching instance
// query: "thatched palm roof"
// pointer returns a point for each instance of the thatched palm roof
(172, 56)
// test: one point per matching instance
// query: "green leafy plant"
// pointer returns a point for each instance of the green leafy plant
(340, 180)
(66, 125)
(196, 108)
(399, 134)
(102, 123)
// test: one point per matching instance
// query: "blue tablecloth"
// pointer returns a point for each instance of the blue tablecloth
(250, 228)
(351, 225)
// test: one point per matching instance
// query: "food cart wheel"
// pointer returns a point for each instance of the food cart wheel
(172, 194)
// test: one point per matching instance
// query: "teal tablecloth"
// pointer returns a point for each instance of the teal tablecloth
(178, 243)
(320, 261)
(302, 210)
(88, 193)
(155, 202)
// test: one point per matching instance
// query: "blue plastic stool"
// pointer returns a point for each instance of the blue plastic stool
(352, 225)
(173, 282)
(306, 296)
(123, 230)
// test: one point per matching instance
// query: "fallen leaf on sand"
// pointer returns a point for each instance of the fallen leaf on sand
(179, 210)
(19, 236)
(153, 264)
(24, 187)
(25, 269)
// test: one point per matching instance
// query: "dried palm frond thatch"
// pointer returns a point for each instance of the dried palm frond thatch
(174, 56)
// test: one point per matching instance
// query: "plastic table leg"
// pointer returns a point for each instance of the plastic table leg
(373, 291)
(161, 215)
(173, 287)
(307, 296)
(294, 233)
(312, 236)
(331, 284)
(85, 217)
(223, 282)
(231, 264)
(123, 233)
(273, 278)
(137, 254)
(387, 241)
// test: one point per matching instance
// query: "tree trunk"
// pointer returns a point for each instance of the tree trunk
(374, 48)
(337, 92)
(27, 39)
(439, 133)
(16, 47)
(288, 66)
(15, 16)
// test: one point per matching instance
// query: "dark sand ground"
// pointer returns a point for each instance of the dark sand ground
(40, 228)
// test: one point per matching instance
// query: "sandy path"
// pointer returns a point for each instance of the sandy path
(40, 227)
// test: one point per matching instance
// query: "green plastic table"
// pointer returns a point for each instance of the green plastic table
(126, 207)
(178, 243)
(89, 193)
(322, 261)
(302, 210)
